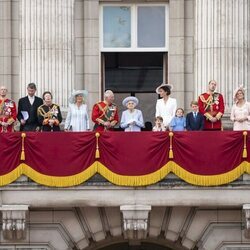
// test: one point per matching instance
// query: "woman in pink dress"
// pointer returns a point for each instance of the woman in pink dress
(240, 113)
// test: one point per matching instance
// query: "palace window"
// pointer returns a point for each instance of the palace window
(134, 27)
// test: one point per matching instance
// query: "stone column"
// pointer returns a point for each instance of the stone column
(47, 47)
(222, 45)
(91, 57)
(5, 43)
(176, 58)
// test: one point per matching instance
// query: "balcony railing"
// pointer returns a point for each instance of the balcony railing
(130, 159)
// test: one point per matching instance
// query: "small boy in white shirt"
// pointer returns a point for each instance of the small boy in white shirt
(159, 124)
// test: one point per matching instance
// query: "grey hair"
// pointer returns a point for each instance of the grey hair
(108, 93)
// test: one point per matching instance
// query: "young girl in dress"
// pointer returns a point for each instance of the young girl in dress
(178, 123)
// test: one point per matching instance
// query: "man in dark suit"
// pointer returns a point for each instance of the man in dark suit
(194, 119)
(27, 109)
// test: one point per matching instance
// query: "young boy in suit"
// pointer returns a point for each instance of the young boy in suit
(194, 119)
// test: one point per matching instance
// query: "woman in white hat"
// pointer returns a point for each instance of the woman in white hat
(77, 118)
(240, 113)
(166, 106)
(132, 119)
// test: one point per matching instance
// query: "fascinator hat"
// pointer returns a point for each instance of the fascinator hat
(240, 88)
(128, 99)
(170, 86)
(75, 93)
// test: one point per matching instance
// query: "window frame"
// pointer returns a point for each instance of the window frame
(134, 28)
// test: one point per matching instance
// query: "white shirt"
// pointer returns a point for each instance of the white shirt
(166, 109)
(31, 99)
(77, 118)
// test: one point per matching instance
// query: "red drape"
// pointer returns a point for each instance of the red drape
(132, 154)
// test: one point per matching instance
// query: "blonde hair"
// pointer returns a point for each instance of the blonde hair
(194, 103)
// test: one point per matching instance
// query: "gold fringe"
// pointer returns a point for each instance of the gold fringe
(142, 180)
(62, 181)
(23, 153)
(199, 180)
(11, 176)
(97, 152)
(171, 153)
(244, 154)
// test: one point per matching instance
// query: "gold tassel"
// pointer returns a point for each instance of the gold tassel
(23, 153)
(171, 153)
(97, 152)
(244, 154)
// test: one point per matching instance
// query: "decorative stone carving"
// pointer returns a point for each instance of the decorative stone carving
(246, 209)
(135, 221)
(14, 221)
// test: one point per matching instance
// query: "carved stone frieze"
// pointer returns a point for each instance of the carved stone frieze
(135, 220)
(14, 219)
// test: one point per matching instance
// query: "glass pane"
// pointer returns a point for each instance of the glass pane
(133, 72)
(147, 105)
(116, 27)
(151, 26)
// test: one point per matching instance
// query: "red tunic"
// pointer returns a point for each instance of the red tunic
(211, 105)
(8, 115)
(102, 112)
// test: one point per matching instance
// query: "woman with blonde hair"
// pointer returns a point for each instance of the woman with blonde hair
(77, 118)
(240, 113)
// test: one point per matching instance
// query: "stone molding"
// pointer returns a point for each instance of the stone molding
(14, 218)
(246, 210)
(135, 221)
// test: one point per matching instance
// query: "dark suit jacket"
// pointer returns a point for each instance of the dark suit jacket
(194, 124)
(24, 105)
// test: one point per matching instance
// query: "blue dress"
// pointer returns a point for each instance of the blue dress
(178, 123)
(129, 117)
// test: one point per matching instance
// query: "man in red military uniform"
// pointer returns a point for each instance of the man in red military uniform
(105, 113)
(211, 105)
(8, 112)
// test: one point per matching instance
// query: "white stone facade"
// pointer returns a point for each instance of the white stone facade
(56, 43)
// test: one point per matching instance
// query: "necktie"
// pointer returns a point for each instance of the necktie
(195, 115)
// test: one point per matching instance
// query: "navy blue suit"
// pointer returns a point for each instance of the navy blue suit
(194, 123)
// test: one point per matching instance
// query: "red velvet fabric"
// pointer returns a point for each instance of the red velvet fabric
(129, 154)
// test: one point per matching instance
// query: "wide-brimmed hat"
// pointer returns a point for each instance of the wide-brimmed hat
(240, 88)
(170, 86)
(72, 98)
(130, 98)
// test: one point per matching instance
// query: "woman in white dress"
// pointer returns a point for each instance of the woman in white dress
(132, 119)
(166, 106)
(240, 113)
(77, 118)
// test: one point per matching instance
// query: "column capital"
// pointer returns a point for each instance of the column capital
(135, 220)
(14, 221)
(246, 210)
